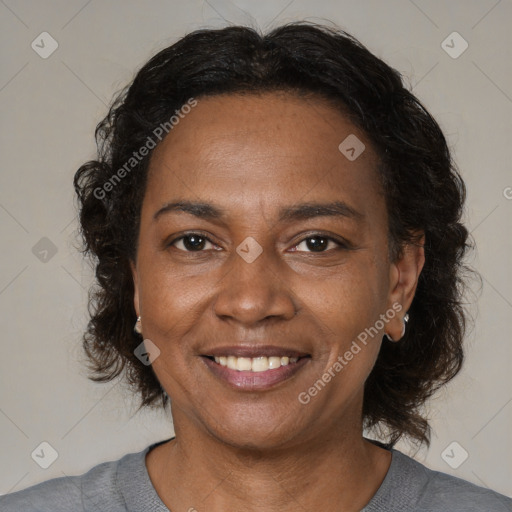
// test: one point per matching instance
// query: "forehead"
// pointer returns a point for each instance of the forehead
(261, 150)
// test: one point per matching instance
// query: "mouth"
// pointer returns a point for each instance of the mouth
(252, 369)
(254, 364)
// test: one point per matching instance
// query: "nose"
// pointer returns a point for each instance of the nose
(252, 292)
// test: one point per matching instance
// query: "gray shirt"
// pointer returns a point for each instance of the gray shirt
(124, 486)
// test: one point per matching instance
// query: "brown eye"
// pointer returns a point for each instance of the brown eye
(317, 243)
(193, 242)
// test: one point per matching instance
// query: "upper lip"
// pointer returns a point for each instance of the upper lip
(254, 351)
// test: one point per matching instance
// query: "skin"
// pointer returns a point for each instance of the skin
(253, 155)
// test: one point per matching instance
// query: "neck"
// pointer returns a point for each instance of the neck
(333, 471)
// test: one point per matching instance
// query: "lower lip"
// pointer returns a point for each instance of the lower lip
(255, 381)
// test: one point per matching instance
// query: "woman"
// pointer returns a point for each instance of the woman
(276, 222)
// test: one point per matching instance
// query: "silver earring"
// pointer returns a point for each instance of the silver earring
(138, 326)
(406, 319)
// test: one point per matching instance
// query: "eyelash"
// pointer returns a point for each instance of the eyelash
(340, 244)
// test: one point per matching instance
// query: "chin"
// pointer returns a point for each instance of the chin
(256, 429)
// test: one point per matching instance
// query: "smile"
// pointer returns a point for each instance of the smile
(255, 364)
(254, 373)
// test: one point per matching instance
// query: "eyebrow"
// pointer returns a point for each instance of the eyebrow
(302, 211)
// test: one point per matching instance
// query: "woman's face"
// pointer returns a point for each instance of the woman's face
(262, 274)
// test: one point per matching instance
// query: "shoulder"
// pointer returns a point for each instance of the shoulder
(434, 491)
(445, 491)
(94, 490)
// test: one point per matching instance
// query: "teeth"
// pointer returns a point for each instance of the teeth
(260, 364)
(244, 364)
(276, 362)
(255, 364)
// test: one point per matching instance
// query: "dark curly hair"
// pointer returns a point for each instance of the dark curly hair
(422, 187)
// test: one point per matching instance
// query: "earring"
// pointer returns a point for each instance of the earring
(138, 326)
(406, 319)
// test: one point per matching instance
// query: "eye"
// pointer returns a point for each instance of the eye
(318, 242)
(191, 242)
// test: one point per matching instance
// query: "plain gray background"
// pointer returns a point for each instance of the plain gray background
(50, 107)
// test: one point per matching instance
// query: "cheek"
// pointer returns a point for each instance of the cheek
(346, 300)
(173, 305)
(346, 309)
(172, 296)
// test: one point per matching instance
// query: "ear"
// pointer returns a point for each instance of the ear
(404, 275)
(135, 277)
